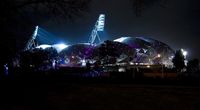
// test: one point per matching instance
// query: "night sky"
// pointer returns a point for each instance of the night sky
(176, 23)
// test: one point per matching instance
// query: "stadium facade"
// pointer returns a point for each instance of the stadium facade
(130, 50)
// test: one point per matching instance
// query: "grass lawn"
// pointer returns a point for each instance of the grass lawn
(68, 96)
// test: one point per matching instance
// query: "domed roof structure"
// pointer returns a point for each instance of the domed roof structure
(124, 49)
(133, 42)
(148, 49)
(81, 49)
(111, 49)
(58, 47)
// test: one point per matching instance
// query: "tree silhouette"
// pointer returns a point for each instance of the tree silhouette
(110, 51)
(179, 60)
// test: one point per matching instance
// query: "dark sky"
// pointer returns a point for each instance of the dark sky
(176, 25)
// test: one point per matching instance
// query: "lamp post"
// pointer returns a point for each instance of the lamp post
(162, 71)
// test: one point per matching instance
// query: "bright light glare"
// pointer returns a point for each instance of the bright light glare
(158, 55)
(120, 39)
(121, 70)
(171, 57)
(44, 46)
(60, 47)
(148, 66)
(35, 32)
(101, 22)
(83, 62)
(184, 52)
(131, 63)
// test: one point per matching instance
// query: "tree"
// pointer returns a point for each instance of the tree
(179, 60)
(111, 52)
(108, 52)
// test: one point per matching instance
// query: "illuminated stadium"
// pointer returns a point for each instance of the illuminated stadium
(148, 50)
(125, 50)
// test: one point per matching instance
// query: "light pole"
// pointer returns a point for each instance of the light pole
(162, 71)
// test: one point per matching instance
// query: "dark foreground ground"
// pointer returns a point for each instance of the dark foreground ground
(59, 95)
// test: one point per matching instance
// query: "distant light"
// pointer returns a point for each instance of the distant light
(101, 22)
(171, 57)
(184, 52)
(148, 66)
(186, 62)
(131, 63)
(83, 62)
(141, 63)
(122, 70)
(158, 55)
